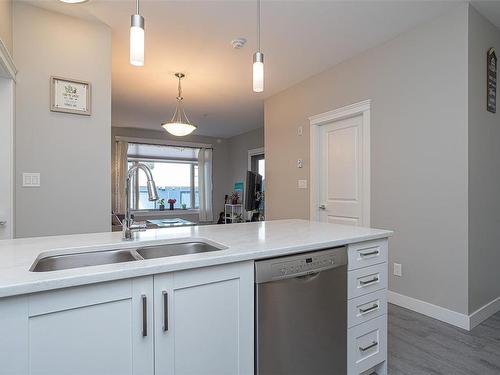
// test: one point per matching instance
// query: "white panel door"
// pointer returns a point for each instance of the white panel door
(204, 321)
(6, 160)
(97, 329)
(341, 172)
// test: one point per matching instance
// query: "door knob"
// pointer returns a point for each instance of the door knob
(3, 223)
(322, 207)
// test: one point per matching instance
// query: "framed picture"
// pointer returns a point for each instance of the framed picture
(70, 96)
(491, 86)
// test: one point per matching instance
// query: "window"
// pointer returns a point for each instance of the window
(174, 179)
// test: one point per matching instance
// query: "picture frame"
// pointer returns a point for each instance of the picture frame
(70, 96)
(491, 85)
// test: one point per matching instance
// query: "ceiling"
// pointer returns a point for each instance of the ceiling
(299, 39)
(490, 9)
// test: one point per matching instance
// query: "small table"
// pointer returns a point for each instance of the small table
(174, 222)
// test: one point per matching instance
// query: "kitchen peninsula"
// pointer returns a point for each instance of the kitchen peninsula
(177, 314)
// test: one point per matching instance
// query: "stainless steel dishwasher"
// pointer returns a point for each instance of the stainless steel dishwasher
(301, 314)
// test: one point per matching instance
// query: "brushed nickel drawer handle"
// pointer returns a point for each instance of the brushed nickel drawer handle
(365, 283)
(144, 315)
(367, 310)
(165, 311)
(374, 252)
(372, 345)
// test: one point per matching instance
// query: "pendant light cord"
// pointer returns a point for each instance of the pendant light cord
(258, 25)
(137, 7)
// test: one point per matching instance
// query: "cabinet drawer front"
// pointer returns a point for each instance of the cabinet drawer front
(367, 307)
(366, 280)
(367, 345)
(80, 296)
(364, 254)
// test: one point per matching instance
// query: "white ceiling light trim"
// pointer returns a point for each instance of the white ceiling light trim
(137, 38)
(258, 59)
(180, 125)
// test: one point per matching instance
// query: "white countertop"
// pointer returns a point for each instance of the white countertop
(246, 241)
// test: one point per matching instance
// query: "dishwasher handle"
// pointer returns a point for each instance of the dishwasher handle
(308, 277)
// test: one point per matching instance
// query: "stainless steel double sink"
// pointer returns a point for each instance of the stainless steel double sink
(96, 258)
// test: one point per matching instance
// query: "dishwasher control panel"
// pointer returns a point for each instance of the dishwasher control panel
(309, 264)
(298, 265)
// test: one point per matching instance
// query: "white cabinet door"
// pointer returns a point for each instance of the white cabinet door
(204, 321)
(98, 329)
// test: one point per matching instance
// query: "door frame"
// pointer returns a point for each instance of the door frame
(363, 109)
(8, 71)
(254, 152)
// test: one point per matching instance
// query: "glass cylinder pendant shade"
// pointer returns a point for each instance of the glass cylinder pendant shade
(137, 40)
(258, 72)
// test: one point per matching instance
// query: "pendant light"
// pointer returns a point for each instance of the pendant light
(137, 38)
(179, 125)
(258, 59)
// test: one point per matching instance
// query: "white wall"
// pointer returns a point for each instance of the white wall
(6, 23)
(418, 86)
(484, 169)
(71, 152)
(238, 154)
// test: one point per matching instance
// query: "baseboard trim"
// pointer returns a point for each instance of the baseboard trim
(483, 313)
(430, 310)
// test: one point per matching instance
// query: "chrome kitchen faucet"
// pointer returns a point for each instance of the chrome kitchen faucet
(128, 222)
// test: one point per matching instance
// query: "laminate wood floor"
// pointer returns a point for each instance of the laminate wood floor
(418, 345)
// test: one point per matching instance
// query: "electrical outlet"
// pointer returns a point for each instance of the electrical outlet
(398, 269)
(300, 163)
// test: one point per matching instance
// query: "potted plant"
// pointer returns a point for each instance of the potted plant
(235, 197)
(184, 206)
(171, 202)
(162, 204)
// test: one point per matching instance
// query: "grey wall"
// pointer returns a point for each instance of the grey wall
(220, 157)
(71, 152)
(484, 169)
(238, 154)
(418, 86)
(6, 23)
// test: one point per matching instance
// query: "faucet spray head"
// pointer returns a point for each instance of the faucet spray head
(152, 192)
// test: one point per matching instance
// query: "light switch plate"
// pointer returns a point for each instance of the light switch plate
(299, 131)
(302, 184)
(31, 179)
(398, 269)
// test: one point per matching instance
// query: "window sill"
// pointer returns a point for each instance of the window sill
(158, 213)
